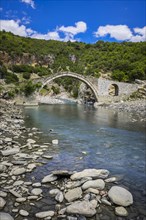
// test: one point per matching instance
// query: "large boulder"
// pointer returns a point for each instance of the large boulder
(120, 196)
(94, 173)
(84, 208)
(5, 216)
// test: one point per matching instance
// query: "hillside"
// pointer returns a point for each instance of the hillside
(21, 57)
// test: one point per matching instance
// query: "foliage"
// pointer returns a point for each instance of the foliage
(56, 90)
(126, 60)
(29, 88)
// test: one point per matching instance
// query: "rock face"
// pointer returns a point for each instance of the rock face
(85, 208)
(73, 194)
(94, 173)
(98, 184)
(120, 196)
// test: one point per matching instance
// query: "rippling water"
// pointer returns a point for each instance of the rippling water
(91, 138)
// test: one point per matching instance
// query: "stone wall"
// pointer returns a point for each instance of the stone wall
(123, 88)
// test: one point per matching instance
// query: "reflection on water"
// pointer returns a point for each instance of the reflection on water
(90, 138)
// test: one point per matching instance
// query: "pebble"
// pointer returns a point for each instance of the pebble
(121, 211)
(36, 191)
(44, 214)
(23, 212)
(2, 202)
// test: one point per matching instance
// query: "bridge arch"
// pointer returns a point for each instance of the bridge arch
(73, 75)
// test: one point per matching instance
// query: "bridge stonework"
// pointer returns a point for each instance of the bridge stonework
(123, 88)
(99, 86)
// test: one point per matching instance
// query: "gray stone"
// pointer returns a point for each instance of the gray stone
(31, 166)
(5, 216)
(98, 184)
(2, 168)
(54, 192)
(2, 202)
(22, 199)
(18, 183)
(36, 191)
(3, 194)
(121, 211)
(120, 196)
(23, 212)
(92, 190)
(36, 184)
(59, 197)
(31, 141)
(94, 173)
(18, 171)
(10, 151)
(85, 208)
(73, 194)
(8, 140)
(49, 178)
(44, 214)
(111, 179)
(14, 193)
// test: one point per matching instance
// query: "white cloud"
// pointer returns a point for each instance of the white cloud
(140, 34)
(29, 2)
(15, 27)
(60, 33)
(119, 32)
(49, 36)
(80, 27)
(122, 33)
(1, 9)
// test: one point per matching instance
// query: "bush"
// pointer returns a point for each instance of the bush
(56, 90)
(29, 88)
(26, 75)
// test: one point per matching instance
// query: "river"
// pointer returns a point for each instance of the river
(93, 138)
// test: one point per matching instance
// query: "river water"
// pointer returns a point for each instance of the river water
(93, 138)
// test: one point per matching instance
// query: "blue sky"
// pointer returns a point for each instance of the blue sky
(75, 20)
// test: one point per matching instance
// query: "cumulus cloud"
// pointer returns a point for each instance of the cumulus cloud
(71, 31)
(140, 34)
(15, 27)
(80, 27)
(122, 33)
(119, 32)
(68, 33)
(29, 2)
(49, 36)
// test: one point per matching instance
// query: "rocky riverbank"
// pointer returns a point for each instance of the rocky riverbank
(137, 107)
(61, 194)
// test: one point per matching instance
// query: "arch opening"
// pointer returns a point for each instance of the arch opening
(113, 90)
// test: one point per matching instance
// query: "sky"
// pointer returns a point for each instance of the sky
(75, 20)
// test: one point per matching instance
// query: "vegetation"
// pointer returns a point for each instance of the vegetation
(122, 61)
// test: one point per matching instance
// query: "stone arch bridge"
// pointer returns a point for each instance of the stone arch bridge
(99, 86)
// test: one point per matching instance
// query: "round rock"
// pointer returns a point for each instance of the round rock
(36, 191)
(5, 216)
(23, 212)
(120, 196)
(121, 211)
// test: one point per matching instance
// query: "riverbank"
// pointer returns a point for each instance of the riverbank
(137, 107)
(59, 194)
